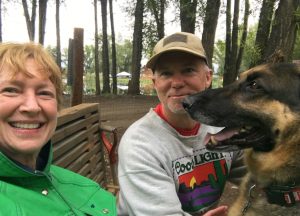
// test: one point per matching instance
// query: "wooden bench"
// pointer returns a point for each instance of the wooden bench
(79, 144)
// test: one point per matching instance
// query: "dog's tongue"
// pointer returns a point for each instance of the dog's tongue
(222, 135)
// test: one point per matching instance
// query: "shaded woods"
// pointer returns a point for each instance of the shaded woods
(272, 38)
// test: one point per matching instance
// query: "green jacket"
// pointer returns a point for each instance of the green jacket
(53, 191)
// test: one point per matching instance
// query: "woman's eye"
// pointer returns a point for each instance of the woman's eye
(10, 90)
(47, 93)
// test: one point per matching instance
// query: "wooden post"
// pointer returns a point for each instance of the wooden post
(77, 87)
(70, 73)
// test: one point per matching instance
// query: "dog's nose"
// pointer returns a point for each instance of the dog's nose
(187, 103)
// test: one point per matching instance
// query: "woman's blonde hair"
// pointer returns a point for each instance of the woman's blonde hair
(14, 56)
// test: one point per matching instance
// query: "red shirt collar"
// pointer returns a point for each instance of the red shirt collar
(183, 132)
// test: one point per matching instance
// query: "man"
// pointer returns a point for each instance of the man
(164, 167)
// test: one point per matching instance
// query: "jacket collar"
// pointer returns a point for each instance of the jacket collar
(11, 168)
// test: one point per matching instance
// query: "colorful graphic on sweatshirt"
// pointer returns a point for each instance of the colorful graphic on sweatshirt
(201, 179)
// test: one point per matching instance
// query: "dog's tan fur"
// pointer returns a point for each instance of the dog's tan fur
(278, 107)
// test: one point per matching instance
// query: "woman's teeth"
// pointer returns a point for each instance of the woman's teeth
(25, 125)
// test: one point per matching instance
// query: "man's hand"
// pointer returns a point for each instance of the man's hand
(219, 211)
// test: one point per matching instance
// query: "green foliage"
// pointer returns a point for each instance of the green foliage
(219, 57)
(124, 56)
(51, 50)
(217, 81)
(150, 37)
(218, 64)
(201, 7)
(129, 7)
(64, 55)
(124, 53)
(150, 34)
(251, 52)
(296, 52)
(89, 59)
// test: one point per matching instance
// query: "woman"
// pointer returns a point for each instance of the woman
(30, 96)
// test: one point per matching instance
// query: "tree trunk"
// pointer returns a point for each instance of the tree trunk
(188, 15)
(263, 30)
(244, 37)
(134, 84)
(113, 49)
(78, 53)
(158, 10)
(230, 72)
(42, 20)
(105, 55)
(227, 42)
(161, 23)
(234, 40)
(284, 29)
(30, 21)
(70, 73)
(209, 28)
(58, 47)
(96, 51)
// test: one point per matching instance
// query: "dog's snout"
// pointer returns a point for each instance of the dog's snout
(187, 103)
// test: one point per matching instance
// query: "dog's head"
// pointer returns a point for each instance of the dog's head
(258, 110)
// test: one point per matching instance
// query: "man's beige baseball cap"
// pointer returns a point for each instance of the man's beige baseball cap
(180, 41)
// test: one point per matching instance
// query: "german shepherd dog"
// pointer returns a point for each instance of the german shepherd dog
(261, 114)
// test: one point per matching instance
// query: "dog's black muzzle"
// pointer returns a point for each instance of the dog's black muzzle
(187, 103)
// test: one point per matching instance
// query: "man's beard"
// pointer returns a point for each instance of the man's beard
(176, 108)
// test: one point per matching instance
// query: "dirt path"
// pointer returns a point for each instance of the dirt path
(122, 110)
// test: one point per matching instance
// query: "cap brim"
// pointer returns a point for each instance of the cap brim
(152, 61)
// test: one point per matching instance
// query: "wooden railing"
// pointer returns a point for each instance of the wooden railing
(79, 144)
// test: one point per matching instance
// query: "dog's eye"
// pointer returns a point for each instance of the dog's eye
(253, 85)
